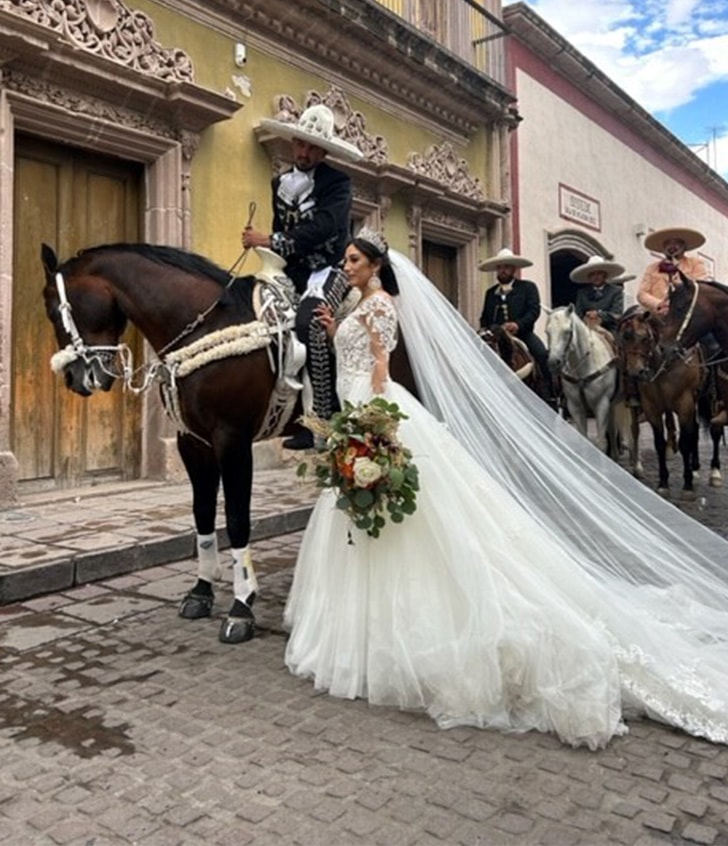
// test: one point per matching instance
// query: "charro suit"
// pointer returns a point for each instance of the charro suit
(311, 220)
(607, 300)
(519, 302)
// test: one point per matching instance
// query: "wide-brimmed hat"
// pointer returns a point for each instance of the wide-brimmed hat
(317, 126)
(655, 241)
(505, 256)
(580, 274)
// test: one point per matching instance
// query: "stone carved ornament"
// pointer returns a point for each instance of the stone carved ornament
(441, 164)
(349, 125)
(108, 28)
(93, 107)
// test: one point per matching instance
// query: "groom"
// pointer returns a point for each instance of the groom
(311, 225)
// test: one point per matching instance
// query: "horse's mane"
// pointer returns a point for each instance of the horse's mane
(181, 259)
(713, 283)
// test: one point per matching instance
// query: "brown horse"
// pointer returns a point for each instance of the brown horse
(664, 387)
(218, 381)
(516, 355)
(697, 309)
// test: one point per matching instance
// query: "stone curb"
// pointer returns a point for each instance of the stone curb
(82, 568)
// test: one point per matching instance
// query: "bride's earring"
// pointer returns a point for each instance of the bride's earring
(374, 283)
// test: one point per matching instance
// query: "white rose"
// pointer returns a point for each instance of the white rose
(366, 472)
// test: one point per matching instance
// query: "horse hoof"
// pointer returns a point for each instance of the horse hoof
(716, 481)
(688, 496)
(194, 606)
(237, 629)
(663, 492)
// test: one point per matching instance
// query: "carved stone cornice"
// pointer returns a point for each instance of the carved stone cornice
(66, 43)
(107, 28)
(442, 164)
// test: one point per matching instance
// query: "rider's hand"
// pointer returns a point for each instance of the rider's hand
(253, 238)
(511, 327)
(663, 308)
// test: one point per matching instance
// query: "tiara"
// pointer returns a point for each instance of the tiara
(371, 236)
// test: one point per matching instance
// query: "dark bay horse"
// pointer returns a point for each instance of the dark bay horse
(516, 355)
(178, 300)
(697, 309)
(665, 386)
(217, 380)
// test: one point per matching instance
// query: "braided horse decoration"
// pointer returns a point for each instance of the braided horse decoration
(218, 377)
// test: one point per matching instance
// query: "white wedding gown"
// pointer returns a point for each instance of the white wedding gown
(476, 612)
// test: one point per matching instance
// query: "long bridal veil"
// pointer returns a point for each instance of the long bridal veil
(621, 533)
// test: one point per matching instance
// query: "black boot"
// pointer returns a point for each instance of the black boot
(301, 440)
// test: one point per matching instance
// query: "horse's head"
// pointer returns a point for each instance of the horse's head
(637, 340)
(560, 332)
(87, 322)
(688, 318)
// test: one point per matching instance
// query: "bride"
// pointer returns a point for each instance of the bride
(537, 586)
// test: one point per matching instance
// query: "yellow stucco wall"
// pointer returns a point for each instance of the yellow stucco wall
(231, 169)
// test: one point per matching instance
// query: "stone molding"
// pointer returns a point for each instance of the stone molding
(108, 28)
(441, 163)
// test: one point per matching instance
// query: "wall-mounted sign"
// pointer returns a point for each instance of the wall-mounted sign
(573, 205)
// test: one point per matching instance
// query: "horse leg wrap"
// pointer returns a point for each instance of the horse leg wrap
(208, 563)
(245, 583)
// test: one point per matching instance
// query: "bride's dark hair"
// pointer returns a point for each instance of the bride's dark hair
(378, 251)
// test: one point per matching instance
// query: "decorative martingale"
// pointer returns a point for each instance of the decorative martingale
(240, 339)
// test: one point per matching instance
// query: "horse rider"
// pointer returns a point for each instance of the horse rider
(311, 225)
(659, 276)
(515, 304)
(673, 243)
(598, 303)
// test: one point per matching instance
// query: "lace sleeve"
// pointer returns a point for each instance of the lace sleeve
(380, 320)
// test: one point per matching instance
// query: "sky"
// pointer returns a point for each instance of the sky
(671, 56)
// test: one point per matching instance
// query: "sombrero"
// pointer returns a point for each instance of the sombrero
(581, 273)
(315, 125)
(655, 241)
(505, 256)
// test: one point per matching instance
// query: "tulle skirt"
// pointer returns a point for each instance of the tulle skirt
(476, 614)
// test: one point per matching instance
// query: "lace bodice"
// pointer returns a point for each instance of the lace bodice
(374, 321)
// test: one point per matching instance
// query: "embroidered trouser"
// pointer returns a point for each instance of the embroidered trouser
(320, 361)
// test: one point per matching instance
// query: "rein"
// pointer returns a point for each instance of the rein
(689, 316)
(576, 380)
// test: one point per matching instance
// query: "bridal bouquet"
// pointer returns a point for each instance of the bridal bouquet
(364, 460)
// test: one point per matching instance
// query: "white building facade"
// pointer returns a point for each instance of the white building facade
(592, 172)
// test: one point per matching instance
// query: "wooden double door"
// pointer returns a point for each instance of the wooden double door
(69, 199)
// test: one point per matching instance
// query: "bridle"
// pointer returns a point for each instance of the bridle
(101, 354)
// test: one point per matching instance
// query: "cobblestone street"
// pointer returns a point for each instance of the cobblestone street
(122, 723)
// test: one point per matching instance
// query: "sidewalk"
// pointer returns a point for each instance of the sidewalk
(56, 540)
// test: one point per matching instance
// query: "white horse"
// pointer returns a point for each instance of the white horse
(587, 366)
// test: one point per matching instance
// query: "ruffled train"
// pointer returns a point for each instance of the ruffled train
(472, 611)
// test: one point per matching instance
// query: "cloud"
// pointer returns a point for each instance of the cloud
(660, 53)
